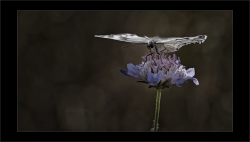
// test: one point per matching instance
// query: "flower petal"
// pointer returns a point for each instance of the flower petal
(196, 82)
(143, 73)
(179, 59)
(150, 77)
(133, 70)
(180, 81)
(130, 66)
(154, 68)
(124, 72)
(174, 57)
(144, 57)
(154, 79)
(157, 69)
(190, 72)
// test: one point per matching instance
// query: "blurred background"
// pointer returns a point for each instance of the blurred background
(68, 80)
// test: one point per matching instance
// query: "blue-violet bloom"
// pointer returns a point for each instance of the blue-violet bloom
(160, 71)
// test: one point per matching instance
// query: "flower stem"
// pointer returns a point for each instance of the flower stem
(157, 109)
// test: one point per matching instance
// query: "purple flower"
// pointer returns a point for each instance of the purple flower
(160, 71)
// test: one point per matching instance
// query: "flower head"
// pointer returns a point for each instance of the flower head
(160, 71)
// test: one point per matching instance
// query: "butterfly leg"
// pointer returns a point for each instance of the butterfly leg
(167, 51)
(164, 50)
(156, 49)
(147, 56)
(161, 52)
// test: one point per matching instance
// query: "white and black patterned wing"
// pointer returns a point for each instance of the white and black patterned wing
(175, 43)
(132, 38)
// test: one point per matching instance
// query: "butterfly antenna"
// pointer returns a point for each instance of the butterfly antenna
(129, 45)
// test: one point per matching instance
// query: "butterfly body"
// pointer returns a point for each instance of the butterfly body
(157, 44)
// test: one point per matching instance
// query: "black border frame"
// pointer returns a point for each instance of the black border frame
(8, 91)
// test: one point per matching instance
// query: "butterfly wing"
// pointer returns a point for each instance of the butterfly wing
(175, 43)
(132, 38)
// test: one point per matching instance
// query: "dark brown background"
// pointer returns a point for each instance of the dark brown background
(69, 81)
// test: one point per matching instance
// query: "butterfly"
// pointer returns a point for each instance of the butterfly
(157, 44)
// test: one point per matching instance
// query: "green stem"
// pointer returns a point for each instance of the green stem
(157, 109)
